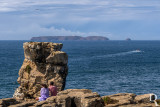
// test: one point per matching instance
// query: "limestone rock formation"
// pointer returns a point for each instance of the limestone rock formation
(128, 100)
(121, 99)
(67, 98)
(81, 98)
(143, 98)
(44, 62)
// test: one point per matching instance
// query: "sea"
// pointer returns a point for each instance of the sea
(106, 67)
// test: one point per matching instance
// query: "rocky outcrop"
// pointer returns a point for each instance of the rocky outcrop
(121, 99)
(83, 98)
(67, 98)
(44, 62)
(128, 100)
(128, 39)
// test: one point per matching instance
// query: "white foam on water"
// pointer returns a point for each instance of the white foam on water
(109, 55)
(120, 54)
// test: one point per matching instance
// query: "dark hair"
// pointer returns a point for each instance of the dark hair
(51, 83)
(44, 85)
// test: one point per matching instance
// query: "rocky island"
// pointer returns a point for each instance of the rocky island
(45, 62)
(62, 38)
(128, 39)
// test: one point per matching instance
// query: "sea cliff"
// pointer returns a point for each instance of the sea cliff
(45, 62)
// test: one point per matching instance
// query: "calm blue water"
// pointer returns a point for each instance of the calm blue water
(107, 67)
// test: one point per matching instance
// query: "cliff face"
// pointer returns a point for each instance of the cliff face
(44, 62)
(48, 38)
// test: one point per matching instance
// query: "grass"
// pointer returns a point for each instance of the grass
(108, 100)
(28, 69)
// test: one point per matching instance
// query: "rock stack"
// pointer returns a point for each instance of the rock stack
(44, 62)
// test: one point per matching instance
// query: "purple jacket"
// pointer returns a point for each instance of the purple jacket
(44, 94)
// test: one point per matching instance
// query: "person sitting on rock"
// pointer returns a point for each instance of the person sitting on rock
(44, 93)
(52, 89)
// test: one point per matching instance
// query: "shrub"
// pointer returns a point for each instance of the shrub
(108, 100)
(28, 69)
(158, 101)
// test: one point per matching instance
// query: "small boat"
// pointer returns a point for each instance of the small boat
(138, 50)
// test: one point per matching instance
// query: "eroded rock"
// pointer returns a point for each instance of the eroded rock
(128, 100)
(8, 101)
(83, 98)
(121, 99)
(143, 98)
(44, 62)
(66, 98)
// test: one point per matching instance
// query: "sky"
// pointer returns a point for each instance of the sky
(115, 19)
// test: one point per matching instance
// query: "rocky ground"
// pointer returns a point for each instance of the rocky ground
(82, 98)
(128, 100)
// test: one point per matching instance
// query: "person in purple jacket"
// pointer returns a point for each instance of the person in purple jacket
(44, 93)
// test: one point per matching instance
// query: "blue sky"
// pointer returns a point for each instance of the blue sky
(115, 19)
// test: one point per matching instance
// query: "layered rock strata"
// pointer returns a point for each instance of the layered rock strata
(67, 98)
(44, 62)
(83, 98)
(128, 100)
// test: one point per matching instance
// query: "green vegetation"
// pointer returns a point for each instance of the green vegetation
(158, 101)
(108, 100)
(28, 69)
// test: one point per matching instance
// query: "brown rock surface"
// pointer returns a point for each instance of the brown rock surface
(121, 99)
(142, 98)
(129, 100)
(8, 101)
(79, 98)
(44, 62)
(83, 98)
(67, 98)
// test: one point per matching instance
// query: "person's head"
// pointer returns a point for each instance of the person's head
(44, 85)
(51, 83)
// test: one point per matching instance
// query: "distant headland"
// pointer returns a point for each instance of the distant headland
(62, 38)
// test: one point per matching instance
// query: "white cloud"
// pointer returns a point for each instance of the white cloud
(36, 30)
(82, 10)
(26, 17)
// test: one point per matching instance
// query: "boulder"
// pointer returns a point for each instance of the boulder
(143, 98)
(44, 62)
(57, 57)
(83, 98)
(8, 101)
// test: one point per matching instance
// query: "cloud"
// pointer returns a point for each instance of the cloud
(73, 17)
(91, 9)
(34, 30)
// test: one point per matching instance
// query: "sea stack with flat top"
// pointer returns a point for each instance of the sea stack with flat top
(44, 62)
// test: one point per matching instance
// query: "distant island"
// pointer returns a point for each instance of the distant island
(62, 38)
(128, 39)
